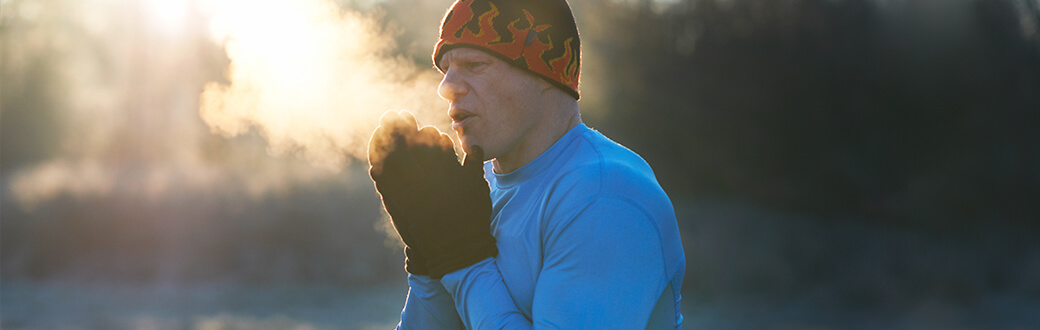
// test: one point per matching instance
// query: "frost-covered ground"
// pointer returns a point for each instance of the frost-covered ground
(210, 307)
(1010, 311)
(748, 267)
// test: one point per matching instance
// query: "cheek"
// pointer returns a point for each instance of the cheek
(515, 114)
(501, 112)
(508, 104)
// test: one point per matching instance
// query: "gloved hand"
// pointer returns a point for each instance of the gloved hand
(441, 210)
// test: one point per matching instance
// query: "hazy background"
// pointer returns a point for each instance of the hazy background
(835, 164)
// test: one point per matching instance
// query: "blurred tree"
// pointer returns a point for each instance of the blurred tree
(30, 98)
(921, 114)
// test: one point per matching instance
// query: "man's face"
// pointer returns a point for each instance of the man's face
(491, 104)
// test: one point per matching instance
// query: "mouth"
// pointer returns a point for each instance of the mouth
(459, 118)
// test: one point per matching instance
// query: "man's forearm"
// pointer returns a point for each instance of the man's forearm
(592, 276)
(429, 306)
(481, 298)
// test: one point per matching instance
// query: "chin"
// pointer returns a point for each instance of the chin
(467, 147)
(469, 140)
(466, 143)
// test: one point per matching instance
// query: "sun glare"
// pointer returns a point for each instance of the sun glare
(167, 16)
(308, 76)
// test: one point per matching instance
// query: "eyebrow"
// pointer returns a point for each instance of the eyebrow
(466, 57)
(476, 56)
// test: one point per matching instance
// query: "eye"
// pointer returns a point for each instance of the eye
(474, 65)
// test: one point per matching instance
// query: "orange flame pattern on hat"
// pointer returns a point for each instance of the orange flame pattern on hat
(563, 70)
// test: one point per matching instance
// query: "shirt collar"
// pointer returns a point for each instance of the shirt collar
(542, 162)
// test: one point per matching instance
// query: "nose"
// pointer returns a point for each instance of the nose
(451, 87)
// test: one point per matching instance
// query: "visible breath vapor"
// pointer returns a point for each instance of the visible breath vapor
(115, 85)
(311, 78)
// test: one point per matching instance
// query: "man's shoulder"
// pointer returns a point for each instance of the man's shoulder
(606, 165)
(598, 167)
(600, 176)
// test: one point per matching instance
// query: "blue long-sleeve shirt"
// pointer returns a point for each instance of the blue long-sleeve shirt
(586, 238)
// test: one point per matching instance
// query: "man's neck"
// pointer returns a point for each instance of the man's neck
(538, 141)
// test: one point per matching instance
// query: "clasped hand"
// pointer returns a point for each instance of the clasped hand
(441, 209)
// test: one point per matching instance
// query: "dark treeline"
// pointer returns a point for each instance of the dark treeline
(920, 114)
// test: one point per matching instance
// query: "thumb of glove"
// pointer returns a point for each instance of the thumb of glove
(474, 161)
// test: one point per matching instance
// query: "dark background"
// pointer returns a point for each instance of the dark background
(834, 165)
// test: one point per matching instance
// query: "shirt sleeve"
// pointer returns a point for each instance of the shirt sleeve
(428, 306)
(602, 269)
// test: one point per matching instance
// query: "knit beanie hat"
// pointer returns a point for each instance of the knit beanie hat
(535, 35)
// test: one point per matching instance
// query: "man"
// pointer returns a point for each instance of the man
(562, 228)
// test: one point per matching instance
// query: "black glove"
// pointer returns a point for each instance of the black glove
(441, 210)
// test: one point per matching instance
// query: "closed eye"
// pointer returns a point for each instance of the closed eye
(474, 65)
